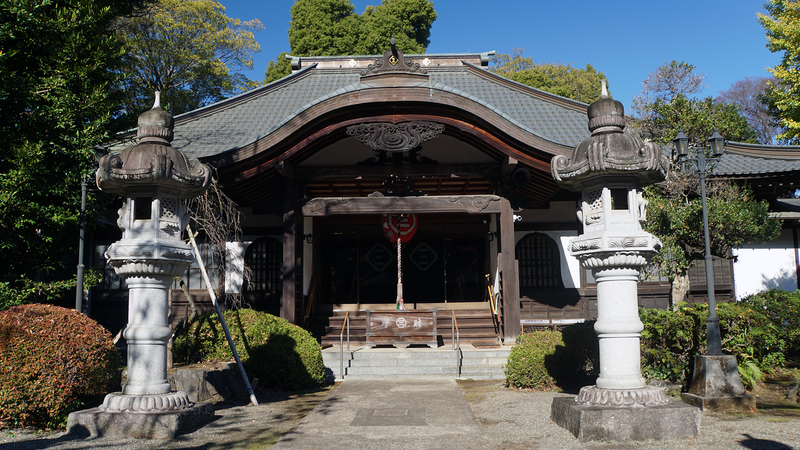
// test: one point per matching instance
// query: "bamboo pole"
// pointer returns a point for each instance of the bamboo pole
(252, 395)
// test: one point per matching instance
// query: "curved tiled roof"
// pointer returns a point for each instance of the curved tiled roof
(244, 119)
(742, 159)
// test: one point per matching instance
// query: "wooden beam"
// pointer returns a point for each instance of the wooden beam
(411, 170)
(286, 169)
(509, 164)
(469, 204)
(510, 278)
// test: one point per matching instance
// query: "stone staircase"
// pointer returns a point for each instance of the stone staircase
(360, 362)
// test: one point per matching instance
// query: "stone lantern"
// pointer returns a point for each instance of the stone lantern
(610, 168)
(154, 179)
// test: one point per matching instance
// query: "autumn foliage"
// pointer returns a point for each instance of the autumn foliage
(51, 358)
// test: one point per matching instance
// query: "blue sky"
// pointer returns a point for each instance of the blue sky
(625, 39)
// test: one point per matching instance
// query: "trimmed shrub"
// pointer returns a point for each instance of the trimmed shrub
(51, 359)
(534, 362)
(273, 350)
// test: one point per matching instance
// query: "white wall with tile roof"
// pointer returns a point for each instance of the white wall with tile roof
(763, 266)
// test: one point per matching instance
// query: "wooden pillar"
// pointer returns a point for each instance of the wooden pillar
(510, 278)
(289, 268)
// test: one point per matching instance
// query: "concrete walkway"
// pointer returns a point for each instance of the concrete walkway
(419, 413)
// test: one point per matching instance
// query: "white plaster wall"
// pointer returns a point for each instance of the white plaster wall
(765, 266)
(235, 266)
(570, 266)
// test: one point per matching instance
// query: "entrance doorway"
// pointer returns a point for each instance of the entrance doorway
(444, 263)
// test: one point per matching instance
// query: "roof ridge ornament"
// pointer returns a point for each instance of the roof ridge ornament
(393, 60)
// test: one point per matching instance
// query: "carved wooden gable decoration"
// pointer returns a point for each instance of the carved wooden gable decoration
(393, 60)
(401, 137)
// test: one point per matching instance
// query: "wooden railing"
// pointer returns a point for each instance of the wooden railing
(346, 323)
(456, 340)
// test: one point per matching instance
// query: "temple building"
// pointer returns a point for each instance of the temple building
(329, 160)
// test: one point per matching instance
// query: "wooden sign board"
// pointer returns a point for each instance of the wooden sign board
(401, 328)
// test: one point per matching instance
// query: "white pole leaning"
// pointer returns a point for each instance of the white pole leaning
(250, 392)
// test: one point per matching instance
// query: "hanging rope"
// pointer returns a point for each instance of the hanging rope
(400, 304)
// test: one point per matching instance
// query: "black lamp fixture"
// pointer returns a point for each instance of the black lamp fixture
(681, 144)
(717, 143)
(309, 238)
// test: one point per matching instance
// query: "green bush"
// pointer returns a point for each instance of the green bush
(668, 345)
(51, 359)
(783, 310)
(276, 352)
(761, 331)
(539, 360)
(757, 330)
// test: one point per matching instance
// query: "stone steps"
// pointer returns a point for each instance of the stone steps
(415, 362)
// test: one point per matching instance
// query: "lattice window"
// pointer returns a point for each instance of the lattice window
(168, 210)
(265, 258)
(539, 262)
(595, 200)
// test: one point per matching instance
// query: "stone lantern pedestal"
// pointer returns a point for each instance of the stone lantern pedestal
(609, 169)
(154, 178)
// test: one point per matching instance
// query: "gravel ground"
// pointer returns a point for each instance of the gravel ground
(513, 420)
(517, 420)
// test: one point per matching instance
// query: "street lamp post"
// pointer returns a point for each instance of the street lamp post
(716, 142)
(716, 385)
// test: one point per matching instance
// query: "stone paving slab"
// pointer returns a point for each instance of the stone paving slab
(420, 413)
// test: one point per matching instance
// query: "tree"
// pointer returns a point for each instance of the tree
(667, 82)
(408, 21)
(675, 215)
(332, 27)
(187, 49)
(782, 24)
(582, 85)
(667, 104)
(57, 58)
(748, 95)
(696, 117)
(675, 212)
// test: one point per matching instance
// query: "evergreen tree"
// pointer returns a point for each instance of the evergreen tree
(782, 24)
(188, 50)
(332, 27)
(57, 59)
(582, 85)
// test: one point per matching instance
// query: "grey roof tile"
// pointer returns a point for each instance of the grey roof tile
(240, 121)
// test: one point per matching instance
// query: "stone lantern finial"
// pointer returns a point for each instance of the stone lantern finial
(609, 151)
(153, 161)
(156, 124)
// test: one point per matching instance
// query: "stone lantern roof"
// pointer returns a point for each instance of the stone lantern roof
(609, 151)
(153, 161)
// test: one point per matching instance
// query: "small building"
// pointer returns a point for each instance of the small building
(319, 160)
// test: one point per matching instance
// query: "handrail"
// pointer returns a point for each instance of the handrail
(494, 304)
(491, 294)
(455, 336)
(341, 343)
